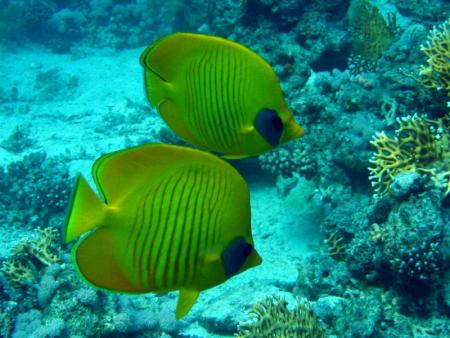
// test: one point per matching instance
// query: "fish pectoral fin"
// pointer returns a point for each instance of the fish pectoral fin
(247, 129)
(186, 300)
(212, 255)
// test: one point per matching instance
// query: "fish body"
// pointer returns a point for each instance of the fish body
(217, 94)
(170, 219)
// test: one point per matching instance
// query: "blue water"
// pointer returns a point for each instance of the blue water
(352, 220)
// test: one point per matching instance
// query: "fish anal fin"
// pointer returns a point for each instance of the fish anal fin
(186, 300)
(96, 263)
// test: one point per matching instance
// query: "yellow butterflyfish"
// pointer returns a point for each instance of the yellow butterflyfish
(217, 94)
(169, 218)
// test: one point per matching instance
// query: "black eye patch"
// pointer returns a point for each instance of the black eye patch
(235, 255)
(270, 126)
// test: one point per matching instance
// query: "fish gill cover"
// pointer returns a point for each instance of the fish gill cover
(352, 220)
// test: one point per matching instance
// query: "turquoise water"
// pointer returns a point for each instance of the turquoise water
(351, 220)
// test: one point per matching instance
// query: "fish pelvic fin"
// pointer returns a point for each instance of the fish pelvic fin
(86, 211)
(186, 300)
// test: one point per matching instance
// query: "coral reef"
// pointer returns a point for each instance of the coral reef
(436, 73)
(34, 190)
(31, 256)
(421, 145)
(271, 318)
(372, 35)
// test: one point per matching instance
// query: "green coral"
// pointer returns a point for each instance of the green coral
(421, 145)
(271, 318)
(372, 35)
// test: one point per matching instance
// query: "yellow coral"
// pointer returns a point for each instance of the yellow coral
(421, 145)
(271, 318)
(436, 74)
(41, 246)
(32, 255)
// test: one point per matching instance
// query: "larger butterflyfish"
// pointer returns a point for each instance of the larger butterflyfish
(168, 218)
(217, 94)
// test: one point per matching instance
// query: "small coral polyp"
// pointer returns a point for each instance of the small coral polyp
(421, 145)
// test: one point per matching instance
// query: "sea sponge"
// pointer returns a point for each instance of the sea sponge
(420, 145)
(271, 318)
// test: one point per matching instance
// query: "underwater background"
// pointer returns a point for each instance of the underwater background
(352, 220)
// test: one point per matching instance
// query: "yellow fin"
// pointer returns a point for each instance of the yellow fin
(96, 263)
(186, 300)
(86, 211)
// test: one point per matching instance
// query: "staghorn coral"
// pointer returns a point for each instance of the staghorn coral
(421, 145)
(436, 73)
(372, 35)
(271, 318)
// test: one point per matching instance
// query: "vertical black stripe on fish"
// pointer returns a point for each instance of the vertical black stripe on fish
(226, 96)
(212, 207)
(197, 222)
(196, 95)
(193, 85)
(160, 254)
(234, 113)
(211, 108)
(221, 112)
(203, 217)
(216, 109)
(184, 239)
(204, 71)
(186, 258)
(132, 232)
(240, 85)
(140, 241)
(181, 208)
(198, 218)
(150, 240)
(141, 225)
(219, 206)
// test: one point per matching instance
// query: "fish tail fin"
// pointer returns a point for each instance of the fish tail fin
(86, 211)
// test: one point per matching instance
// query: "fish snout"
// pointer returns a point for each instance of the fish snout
(292, 130)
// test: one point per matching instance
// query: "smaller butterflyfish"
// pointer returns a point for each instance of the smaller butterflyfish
(217, 94)
(168, 218)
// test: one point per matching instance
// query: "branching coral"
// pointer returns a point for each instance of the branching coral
(421, 145)
(372, 35)
(336, 245)
(29, 256)
(271, 318)
(436, 73)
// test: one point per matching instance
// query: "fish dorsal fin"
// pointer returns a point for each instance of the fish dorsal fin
(186, 300)
(123, 172)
